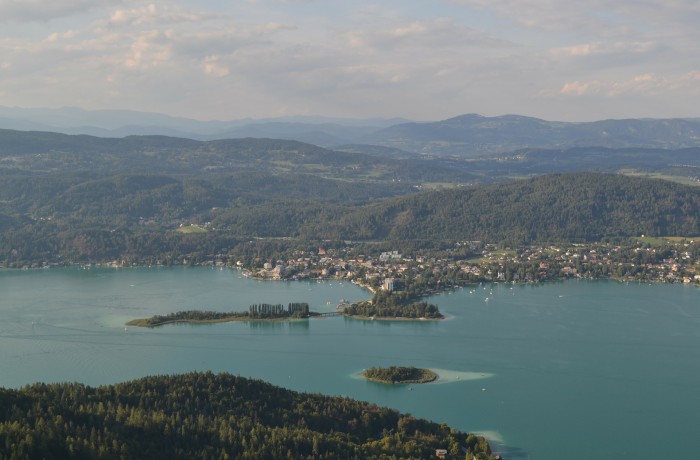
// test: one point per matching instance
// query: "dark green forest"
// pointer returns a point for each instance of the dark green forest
(576, 207)
(136, 218)
(394, 305)
(208, 416)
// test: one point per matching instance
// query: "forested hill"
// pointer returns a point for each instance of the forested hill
(564, 207)
(207, 416)
(138, 217)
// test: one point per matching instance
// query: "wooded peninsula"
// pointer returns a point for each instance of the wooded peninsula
(256, 312)
(213, 416)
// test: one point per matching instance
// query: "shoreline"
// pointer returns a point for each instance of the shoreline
(140, 322)
(390, 318)
(247, 274)
(109, 266)
(403, 382)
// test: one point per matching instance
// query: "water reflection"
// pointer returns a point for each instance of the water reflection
(296, 325)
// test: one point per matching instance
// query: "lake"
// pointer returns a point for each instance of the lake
(571, 370)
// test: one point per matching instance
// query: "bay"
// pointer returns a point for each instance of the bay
(564, 370)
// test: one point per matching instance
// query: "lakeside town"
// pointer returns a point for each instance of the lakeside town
(428, 271)
(675, 261)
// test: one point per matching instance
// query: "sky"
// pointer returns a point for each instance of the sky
(417, 59)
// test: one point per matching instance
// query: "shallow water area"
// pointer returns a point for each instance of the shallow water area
(448, 376)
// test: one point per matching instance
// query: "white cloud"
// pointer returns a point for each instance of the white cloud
(133, 16)
(56, 37)
(147, 50)
(413, 28)
(212, 66)
(647, 84)
(575, 88)
(603, 48)
(575, 51)
(441, 32)
(153, 14)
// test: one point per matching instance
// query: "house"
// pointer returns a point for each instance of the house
(388, 284)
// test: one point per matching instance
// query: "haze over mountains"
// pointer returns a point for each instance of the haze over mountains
(468, 135)
(32, 152)
(472, 135)
(119, 123)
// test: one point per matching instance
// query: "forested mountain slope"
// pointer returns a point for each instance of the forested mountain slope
(158, 196)
(567, 207)
(136, 217)
(205, 416)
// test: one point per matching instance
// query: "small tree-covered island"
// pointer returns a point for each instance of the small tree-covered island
(256, 312)
(390, 305)
(399, 374)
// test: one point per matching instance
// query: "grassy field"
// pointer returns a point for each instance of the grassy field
(659, 240)
(685, 180)
(496, 255)
(192, 229)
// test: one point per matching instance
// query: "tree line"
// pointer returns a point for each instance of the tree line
(386, 304)
(293, 310)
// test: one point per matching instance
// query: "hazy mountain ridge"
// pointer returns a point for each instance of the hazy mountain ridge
(53, 152)
(680, 163)
(473, 135)
(324, 131)
(463, 136)
(43, 151)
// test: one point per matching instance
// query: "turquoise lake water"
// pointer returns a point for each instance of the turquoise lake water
(568, 370)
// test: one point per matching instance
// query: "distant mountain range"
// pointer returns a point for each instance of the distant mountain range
(323, 131)
(465, 136)
(46, 152)
(40, 152)
(475, 135)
